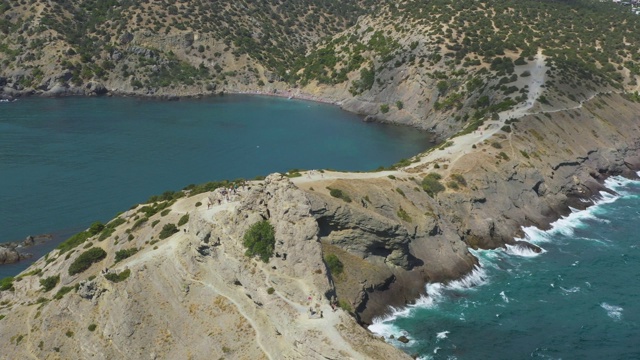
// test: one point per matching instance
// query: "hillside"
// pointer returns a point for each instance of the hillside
(439, 65)
(534, 114)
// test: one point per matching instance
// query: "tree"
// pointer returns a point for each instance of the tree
(260, 240)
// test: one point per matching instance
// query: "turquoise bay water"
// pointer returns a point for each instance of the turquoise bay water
(65, 163)
(577, 300)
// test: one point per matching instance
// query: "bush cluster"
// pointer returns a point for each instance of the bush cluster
(125, 253)
(86, 259)
(168, 230)
(431, 184)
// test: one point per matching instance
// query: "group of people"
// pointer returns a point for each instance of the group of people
(314, 172)
(226, 194)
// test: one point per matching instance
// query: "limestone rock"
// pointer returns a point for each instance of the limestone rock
(9, 256)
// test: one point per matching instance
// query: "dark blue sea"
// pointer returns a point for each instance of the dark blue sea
(65, 163)
(579, 299)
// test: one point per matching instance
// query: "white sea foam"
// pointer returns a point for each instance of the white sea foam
(504, 297)
(435, 294)
(523, 251)
(442, 335)
(614, 312)
(574, 289)
(475, 278)
(566, 225)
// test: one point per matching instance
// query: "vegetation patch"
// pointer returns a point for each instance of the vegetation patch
(340, 194)
(125, 253)
(80, 237)
(92, 327)
(118, 277)
(334, 264)
(6, 283)
(344, 305)
(86, 259)
(168, 230)
(183, 220)
(402, 214)
(110, 228)
(459, 179)
(260, 240)
(49, 283)
(62, 292)
(431, 184)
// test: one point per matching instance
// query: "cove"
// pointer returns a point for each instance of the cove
(67, 162)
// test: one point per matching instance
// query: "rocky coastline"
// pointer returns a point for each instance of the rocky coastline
(13, 252)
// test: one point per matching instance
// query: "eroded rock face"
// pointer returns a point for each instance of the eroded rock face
(387, 259)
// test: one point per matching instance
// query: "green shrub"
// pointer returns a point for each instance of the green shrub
(431, 184)
(524, 153)
(49, 283)
(86, 259)
(154, 223)
(260, 240)
(506, 128)
(271, 290)
(110, 228)
(344, 305)
(69, 333)
(125, 253)
(334, 264)
(384, 108)
(496, 145)
(453, 185)
(92, 327)
(399, 191)
(62, 292)
(402, 214)
(139, 222)
(399, 105)
(118, 277)
(167, 230)
(503, 155)
(73, 241)
(459, 179)
(6, 283)
(337, 193)
(183, 220)
(198, 204)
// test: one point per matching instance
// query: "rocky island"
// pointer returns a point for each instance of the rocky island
(530, 129)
